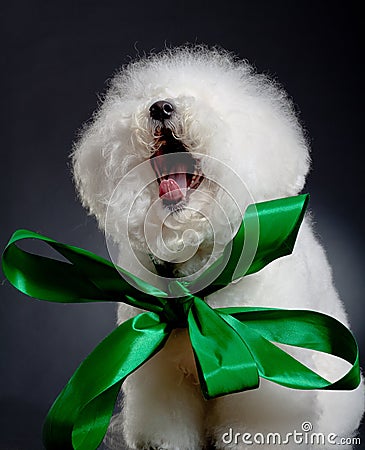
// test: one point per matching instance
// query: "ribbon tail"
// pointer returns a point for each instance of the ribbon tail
(80, 415)
(225, 364)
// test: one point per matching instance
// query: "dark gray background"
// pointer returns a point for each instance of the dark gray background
(56, 58)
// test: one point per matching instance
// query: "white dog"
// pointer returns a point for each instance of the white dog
(212, 108)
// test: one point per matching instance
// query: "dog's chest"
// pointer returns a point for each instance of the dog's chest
(179, 353)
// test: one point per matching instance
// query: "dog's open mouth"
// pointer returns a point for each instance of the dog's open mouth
(176, 169)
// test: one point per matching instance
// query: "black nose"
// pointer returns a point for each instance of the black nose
(161, 110)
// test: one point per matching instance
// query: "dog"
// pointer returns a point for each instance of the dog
(239, 140)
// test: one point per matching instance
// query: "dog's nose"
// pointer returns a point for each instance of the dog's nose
(161, 110)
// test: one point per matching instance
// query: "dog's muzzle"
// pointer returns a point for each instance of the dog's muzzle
(176, 175)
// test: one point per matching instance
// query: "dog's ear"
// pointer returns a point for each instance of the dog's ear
(270, 144)
(98, 157)
(286, 148)
(287, 154)
(292, 159)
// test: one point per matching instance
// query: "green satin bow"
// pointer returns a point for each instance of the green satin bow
(232, 346)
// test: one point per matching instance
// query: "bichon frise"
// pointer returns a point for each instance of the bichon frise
(235, 132)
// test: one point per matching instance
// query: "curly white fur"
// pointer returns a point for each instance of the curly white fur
(226, 111)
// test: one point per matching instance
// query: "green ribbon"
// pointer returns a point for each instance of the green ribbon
(232, 346)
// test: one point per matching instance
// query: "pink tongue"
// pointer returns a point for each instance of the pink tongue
(170, 190)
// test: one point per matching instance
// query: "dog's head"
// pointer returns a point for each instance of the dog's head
(179, 131)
